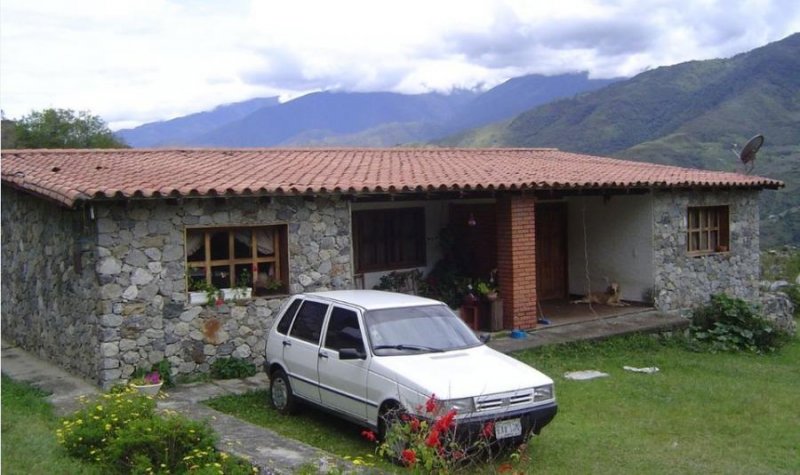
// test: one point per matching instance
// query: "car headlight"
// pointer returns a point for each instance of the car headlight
(461, 405)
(543, 393)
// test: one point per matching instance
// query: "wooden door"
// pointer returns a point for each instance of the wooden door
(551, 251)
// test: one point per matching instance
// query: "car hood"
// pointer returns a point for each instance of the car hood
(460, 373)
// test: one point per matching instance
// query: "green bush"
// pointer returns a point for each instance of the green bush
(731, 324)
(121, 432)
(232, 368)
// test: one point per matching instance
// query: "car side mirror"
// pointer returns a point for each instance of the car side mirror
(351, 354)
(486, 337)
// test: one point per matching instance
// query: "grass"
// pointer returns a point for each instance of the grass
(702, 413)
(28, 434)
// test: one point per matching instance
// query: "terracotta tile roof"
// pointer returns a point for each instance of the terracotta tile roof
(72, 175)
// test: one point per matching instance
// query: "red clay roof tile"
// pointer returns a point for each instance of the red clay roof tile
(72, 175)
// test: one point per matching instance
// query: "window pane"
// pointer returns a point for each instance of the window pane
(308, 323)
(286, 319)
(343, 330)
(195, 245)
(221, 277)
(242, 244)
(219, 245)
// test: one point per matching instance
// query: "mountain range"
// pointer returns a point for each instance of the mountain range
(377, 119)
(695, 114)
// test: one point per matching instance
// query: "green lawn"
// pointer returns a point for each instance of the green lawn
(28, 434)
(702, 413)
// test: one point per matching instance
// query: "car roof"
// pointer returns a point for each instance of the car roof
(373, 299)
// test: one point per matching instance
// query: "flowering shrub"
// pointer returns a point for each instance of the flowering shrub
(123, 433)
(430, 445)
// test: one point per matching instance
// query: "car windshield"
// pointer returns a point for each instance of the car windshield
(431, 328)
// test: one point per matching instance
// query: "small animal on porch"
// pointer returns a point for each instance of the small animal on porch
(612, 296)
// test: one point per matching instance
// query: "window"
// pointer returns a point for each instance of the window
(389, 239)
(253, 256)
(344, 330)
(288, 315)
(707, 229)
(308, 323)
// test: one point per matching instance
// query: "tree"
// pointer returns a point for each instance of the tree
(64, 128)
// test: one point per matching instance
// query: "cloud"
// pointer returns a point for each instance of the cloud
(134, 61)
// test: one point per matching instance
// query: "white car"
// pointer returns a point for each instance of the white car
(364, 354)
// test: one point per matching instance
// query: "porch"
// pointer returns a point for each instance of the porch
(635, 320)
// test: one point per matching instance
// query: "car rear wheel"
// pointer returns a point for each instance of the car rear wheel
(280, 391)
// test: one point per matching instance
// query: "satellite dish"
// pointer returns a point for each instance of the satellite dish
(748, 153)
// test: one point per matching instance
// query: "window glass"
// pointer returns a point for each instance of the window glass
(288, 315)
(417, 329)
(344, 330)
(253, 257)
(308, 323)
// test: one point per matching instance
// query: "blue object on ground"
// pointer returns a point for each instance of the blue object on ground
(518, 334)
(543, 321)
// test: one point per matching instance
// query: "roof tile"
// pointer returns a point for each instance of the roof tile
(72, 175)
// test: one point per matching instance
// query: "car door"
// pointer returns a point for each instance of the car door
(301, 349)
(343, 382)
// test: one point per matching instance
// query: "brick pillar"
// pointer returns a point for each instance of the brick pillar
(516, 260)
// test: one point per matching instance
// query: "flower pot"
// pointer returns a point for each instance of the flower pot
(198, 298)
(237, 293)
(147, 389)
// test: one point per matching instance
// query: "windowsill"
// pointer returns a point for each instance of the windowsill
(708, 253)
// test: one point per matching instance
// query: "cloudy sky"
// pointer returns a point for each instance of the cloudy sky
(135, 61)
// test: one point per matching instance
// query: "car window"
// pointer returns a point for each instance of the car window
(414, 329)
(288, 315)
(344, 330)
(308, 323)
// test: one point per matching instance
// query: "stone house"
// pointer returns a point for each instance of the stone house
(100, 248)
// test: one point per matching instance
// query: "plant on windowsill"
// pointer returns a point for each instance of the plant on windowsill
(148, 383)
(201, 292)
(242, 290)
(268, 285)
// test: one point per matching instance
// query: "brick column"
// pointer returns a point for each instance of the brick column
(516, 260)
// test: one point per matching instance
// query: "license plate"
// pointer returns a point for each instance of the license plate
(509, 428)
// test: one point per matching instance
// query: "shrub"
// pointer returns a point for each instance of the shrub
(434, 445)
(231, 368)
(731, 324)
(121, 432)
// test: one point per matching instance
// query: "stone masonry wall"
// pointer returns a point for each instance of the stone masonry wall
(144, 315)
(683, 281)
(49, 284)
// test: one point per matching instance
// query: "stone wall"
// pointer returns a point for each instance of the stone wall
(683, 281)
(144, 315)
(49, 284)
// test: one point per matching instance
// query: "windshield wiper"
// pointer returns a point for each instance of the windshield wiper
(408, 347)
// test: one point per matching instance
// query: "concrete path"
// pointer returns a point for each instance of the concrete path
(272, 453)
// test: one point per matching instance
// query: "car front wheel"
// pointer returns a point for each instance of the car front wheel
(280, 391)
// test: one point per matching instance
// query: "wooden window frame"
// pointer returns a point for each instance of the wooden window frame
(707, 230)
(373, 216)
(279, 258)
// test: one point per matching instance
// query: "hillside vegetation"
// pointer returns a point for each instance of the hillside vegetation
(690, 115)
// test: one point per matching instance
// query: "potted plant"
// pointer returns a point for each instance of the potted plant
(487, 290)
(242, 290)
(148, 383)
(201, 292)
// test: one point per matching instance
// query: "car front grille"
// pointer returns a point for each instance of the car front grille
(503, 401)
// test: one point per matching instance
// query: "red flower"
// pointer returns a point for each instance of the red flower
(219, 302)
(446, 421)
(430, 404)
(369, 435)
(488, 429)
(458, 455)
(414, 424)
(409, 457)
(433, 438)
